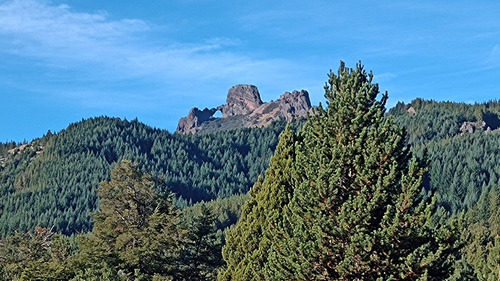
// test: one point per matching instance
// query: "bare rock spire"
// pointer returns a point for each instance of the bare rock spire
(244, 108)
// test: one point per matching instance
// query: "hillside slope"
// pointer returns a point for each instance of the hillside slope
(461, 143)
(52, 181)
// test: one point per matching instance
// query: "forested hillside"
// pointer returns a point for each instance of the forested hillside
(431, 120)
(138, 234)
(51, 181)
(461, 143)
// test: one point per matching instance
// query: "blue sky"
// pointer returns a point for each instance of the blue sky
(61, 61)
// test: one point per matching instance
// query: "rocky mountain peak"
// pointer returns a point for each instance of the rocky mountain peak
(241, 100)
(244, 108)
(195, 118)
(296, 103)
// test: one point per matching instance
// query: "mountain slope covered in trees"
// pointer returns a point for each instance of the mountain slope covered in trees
(461, 143)
(49, 185)
(51, 182)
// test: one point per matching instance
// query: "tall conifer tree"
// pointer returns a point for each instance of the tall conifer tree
(247, 245)
(135, 234)
(357, 211)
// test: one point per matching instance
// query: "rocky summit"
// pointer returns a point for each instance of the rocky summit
(244, 109)
(241, 100)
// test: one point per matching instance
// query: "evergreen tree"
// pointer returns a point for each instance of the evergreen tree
(135, 230)
(202, 252)
(247, 245)
(357, 211)
(38, 255)
(481, 236)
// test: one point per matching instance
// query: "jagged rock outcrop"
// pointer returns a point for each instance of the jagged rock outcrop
(288, 106)
(411, 111)
(244, 108)
(192, 122)
(471, 127)
(241, 100)
(296, 103)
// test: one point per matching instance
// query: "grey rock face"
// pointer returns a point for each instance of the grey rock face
(244, 108)
(192, 122)
(411, 111)
(471, 127)
(241, 100)
(295, 104)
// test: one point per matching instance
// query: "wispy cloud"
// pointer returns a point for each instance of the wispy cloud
(494, 56)
(384, 77)
(104, 48)
(38, 29)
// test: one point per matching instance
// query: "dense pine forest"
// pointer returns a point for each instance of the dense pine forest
(51, 181)
(112, 199)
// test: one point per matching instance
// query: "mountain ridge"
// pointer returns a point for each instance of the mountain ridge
(244, 108)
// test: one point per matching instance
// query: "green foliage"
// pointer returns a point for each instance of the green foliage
(51, 182)
(38, 255)
(350, 204)
(481, 235)
(135, 230)
(461, 165)
(139, 235)
(201, 256)
(464, 172)
(462, 168)
(227, 210)
(248, 244)
(431, 120)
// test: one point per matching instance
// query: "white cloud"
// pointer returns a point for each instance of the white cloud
(494, 56)
(103, 48)
(384, 77)
(37, 29)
